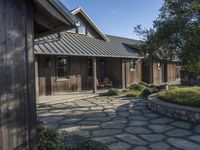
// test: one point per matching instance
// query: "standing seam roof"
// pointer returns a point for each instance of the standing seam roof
(81, 45)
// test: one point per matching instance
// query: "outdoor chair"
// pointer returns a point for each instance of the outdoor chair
(100, 85)
(107, 83)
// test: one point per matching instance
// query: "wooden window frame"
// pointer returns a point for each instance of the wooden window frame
(57, 67)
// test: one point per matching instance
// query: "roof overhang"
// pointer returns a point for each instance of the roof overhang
(51, 16)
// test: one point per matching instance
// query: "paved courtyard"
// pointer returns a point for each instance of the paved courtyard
(122, 124)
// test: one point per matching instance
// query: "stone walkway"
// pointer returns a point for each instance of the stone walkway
(122, 124)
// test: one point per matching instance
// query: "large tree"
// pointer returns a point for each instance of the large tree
(175, 34)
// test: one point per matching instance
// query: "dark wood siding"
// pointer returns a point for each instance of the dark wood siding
(158, 74)
(173, 72)
(17, 87)
(133, 76)
(78, 78)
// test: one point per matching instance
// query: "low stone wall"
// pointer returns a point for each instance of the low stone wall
(173, 110)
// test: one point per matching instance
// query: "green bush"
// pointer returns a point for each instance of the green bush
(134, 93)
(143, 83)
(189, 96)
(112, 92)
(48, 139)
(152, 86)
(92, 145)
(138, 87)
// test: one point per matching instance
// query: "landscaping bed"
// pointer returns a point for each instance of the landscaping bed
(188, 96)
(51, 139)
(135, 90)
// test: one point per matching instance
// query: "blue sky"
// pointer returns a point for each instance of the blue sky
(118, 17)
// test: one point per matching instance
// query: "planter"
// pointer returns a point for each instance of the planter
(187, 113)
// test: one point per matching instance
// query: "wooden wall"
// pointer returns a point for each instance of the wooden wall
(167, 73)
(158, 74)
(78, 74)
(173, 72)
(17, 87)
(133, 76)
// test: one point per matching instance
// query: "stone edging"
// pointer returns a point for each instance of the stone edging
(173, 110)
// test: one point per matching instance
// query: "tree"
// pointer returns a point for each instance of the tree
(175, 34)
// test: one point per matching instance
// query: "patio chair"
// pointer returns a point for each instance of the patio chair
(100, 85)
(107, 83)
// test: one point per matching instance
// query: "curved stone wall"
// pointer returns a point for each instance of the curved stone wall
(173, 110)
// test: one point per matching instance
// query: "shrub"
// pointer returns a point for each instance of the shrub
(143, 83)
(48, 139)
(134, 93)
(152, 86)
(189, 96)
(92, 145)
(112, 92)
(138, 87)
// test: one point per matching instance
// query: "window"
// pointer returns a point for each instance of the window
(72, 30)
(62, 67)
(82, 29)
(132, 66)
(90, 68)
(159, 66)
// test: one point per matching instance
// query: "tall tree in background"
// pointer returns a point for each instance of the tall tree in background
(176, 32)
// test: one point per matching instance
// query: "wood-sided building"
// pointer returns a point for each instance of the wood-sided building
(156, 73)
(20, 22)
(77, 59)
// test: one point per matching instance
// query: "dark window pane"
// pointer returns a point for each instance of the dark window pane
(62, 67)
(61, 73)
(72, 30)
(82, 29)
(89, 67)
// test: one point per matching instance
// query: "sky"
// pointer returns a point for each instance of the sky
(119, 17)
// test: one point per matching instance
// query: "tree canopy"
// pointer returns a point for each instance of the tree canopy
(175, 35)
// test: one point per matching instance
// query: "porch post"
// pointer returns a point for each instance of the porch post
(94, 75)
(36, 78)
(123, 74)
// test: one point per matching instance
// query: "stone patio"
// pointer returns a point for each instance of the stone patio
(122, 124)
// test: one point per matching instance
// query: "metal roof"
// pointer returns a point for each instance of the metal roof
(80, 45)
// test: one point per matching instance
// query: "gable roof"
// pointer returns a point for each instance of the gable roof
(81, 45)
(88, 19)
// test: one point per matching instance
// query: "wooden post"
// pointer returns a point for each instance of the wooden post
(36, 79)
(94, 75)
(123, 74)
(151, 70)
(17, 76)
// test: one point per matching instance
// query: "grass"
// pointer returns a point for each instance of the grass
(188, 96)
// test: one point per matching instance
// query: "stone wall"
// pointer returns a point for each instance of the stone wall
(172, 110)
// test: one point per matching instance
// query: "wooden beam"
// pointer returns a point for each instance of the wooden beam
(94, 75)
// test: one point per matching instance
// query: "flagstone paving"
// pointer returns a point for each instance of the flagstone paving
(122, 124)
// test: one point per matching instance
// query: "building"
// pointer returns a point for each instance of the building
(20, 21)
(82, 57)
